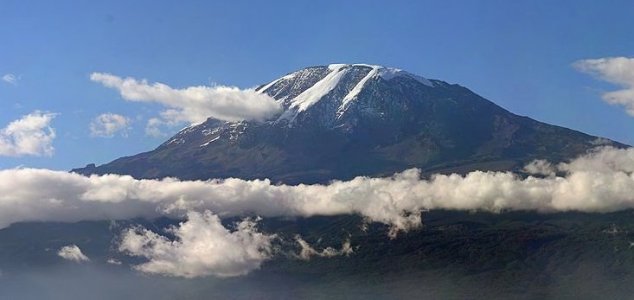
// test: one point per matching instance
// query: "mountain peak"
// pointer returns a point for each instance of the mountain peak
(338, 84)
(345, 120)
(386, 73)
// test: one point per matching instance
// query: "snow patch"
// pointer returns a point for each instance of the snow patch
(209, 131)
(313, 94)
(237, 129)
(209, 142)
(334, 67)
(272, 83)
(357, 89)
(190, 128)
(336, 72)
(176, 141)
(390, 73)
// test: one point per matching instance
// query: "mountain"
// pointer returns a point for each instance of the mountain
(344, 120)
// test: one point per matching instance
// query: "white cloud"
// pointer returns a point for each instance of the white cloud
(29, 135)
(109, 124)
(202, 247)
(193, 104)
(601, 181)
(72, 253)
(10, 79)
(617, 70)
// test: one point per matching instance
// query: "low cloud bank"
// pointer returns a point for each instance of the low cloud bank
(601, 181)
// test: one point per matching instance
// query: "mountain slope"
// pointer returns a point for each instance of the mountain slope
(341, 121)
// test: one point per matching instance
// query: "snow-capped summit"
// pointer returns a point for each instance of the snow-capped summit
(344, 120)
(339, 84)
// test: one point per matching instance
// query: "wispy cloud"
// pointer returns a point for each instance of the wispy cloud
(109, 124)
(616, 70)
(29, 135)
(10, 79)
(154, 127)
(307, 251)
(193, 104)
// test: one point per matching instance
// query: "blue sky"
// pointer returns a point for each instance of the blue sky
(519, 54)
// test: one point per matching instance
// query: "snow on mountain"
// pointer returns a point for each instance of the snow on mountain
(389, 73)
(314, 93)
(345, 120)
(356, 90)
(287, 77)
(300, 91)
(337, 84)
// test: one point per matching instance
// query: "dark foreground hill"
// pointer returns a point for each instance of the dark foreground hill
(456, 255)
